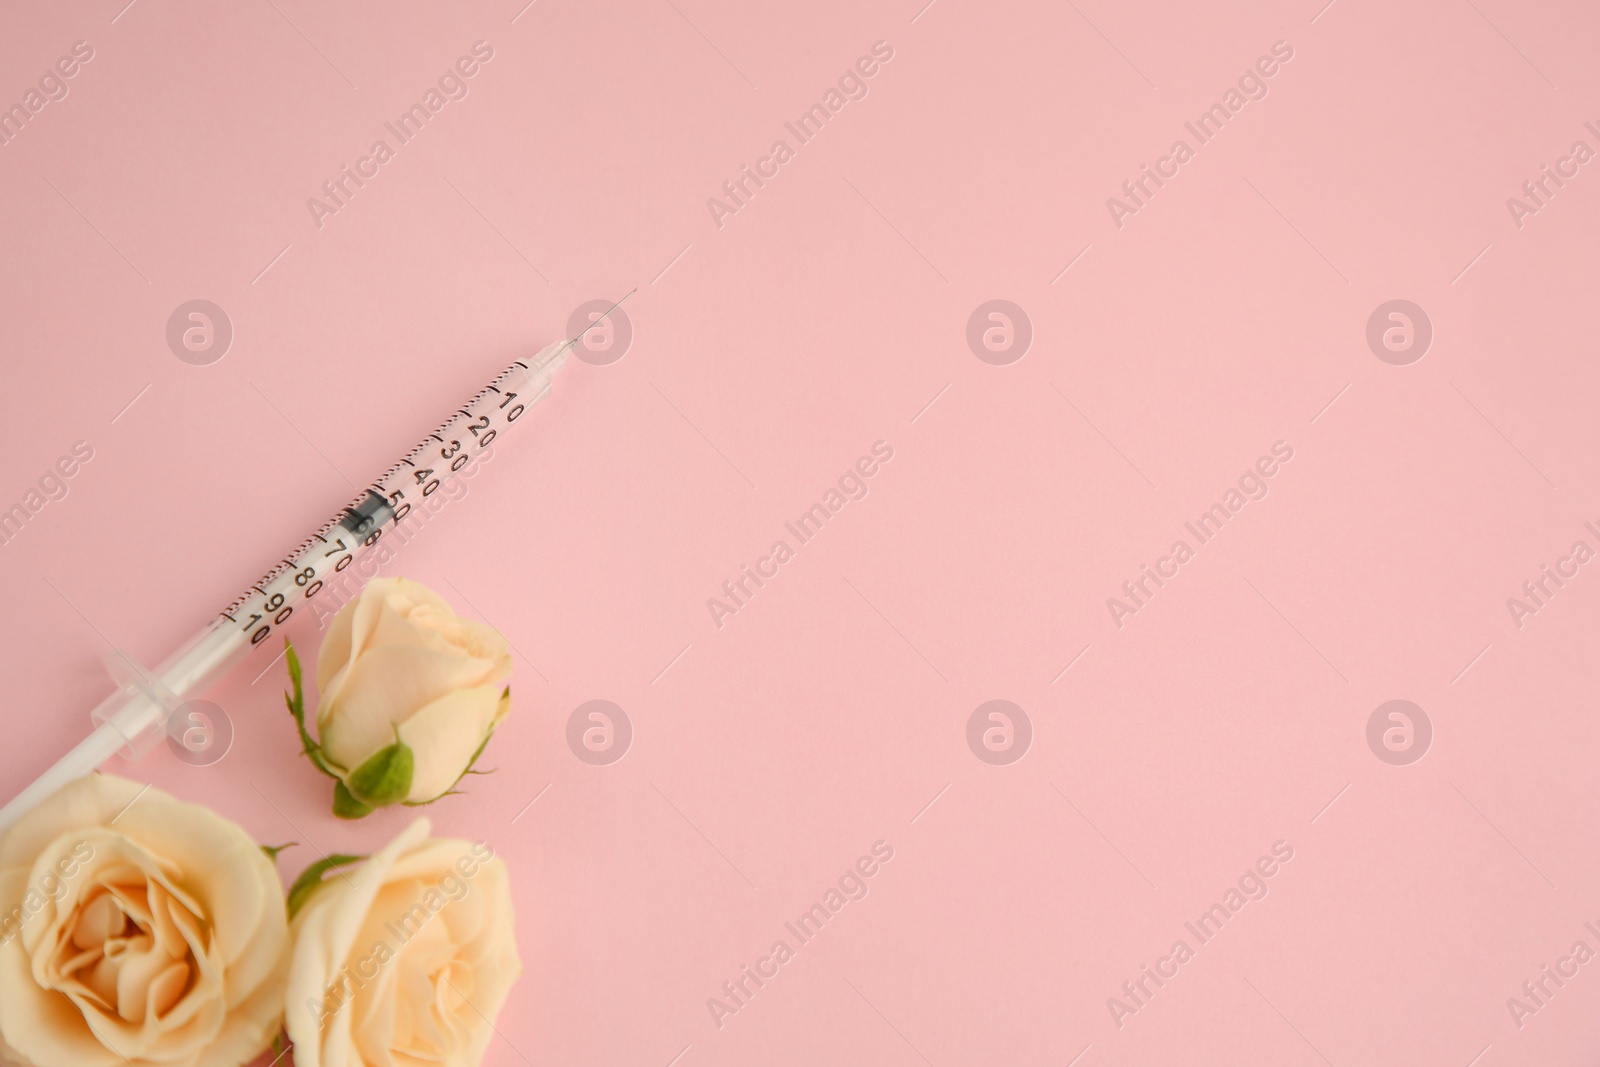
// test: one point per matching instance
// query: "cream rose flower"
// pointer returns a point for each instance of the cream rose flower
(404, 961)
(135, 929)
(408, 696)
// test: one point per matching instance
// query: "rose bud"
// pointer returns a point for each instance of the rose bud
(409, 695)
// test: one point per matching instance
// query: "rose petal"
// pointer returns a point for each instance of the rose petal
(240, 894)
(383, 688)
(334, 652)
(169, 920)
(363, 613)
(323, 934)
(445, 734)
(90, 801)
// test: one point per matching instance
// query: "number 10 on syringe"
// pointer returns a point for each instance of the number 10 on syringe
(136, 716)
(299, 576)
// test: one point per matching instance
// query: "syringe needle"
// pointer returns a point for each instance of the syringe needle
(138, 715)
(598, 320)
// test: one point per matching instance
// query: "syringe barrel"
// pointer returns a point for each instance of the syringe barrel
(135, 717)
(140, 709)
(143, 704)
(301, 575)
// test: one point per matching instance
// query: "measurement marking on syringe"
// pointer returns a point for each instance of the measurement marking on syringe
(283, 593)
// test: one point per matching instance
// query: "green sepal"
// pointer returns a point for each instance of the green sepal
(505, 698)
(273, 850)
(297, 708)
(385, 778)
(435, 800)
(346, 806)
(311, 879)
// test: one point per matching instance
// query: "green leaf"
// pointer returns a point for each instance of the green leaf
(386, 776)
(297, 708)
(293, 659)
(311, 880)
(346, 806)
(273, 850)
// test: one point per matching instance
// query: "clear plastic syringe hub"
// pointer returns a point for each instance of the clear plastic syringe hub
(138, 709)
(149, 705)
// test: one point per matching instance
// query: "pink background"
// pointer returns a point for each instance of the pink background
(768, 354)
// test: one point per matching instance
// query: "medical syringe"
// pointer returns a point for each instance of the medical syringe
(135, 718)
